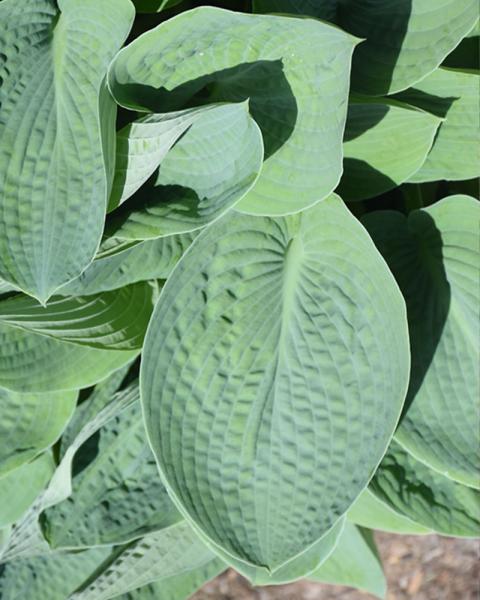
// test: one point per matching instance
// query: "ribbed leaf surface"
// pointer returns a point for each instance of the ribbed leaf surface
(269, 331)
(53, 172)
(293, 72)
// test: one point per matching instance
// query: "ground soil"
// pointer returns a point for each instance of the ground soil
(417, 567)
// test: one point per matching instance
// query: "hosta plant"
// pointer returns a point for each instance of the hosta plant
(239, 290)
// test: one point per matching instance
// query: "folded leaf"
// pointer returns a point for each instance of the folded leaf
(453, 94)
(26, 539)
(405, 40)
(116, 493)
(269, 429)
(30, 423)
(354, 562)
(384, 144)
(425, 496)
(53, 169)
(20, 487)
(369, 511)
(143, 144)
(434, 256)
(293, 72)
(208, 170)
(111, 320)
(169, 555)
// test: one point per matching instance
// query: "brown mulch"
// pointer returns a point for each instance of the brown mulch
(417, 567)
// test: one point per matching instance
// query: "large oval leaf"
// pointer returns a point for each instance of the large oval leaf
(53, 172)
(31, 362)
(111, 320)
(405, 40)
(434, 256)
(384, 144)
(294, 72)
(30, 423)
(425, 496)
(454, 95)
(209, 169)
(274, 370)
(20, 487)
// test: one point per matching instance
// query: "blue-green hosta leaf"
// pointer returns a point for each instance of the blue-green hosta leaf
(113, 320)
(166, 555)
(53, 171)
(354, 562)
(51, 577)
(30, 423)
(31, 362)
(86, 412)
(295, 569)
(434, 255)
(117, 494)
(455, 95)
(20, 487)
(267, 432)
(208, 170)
(177, 587)
(26, 539)
(294, 72)
(425, 496)
(384, 144)
(369, 511)
(151, 259)
(143, 144)
(405, 39)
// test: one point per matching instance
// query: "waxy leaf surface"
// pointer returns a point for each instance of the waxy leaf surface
(54, 174)
(269, 331)
(293, 72)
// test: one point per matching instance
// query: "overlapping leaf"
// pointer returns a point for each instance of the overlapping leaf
(434, 256)
(354, 562)
(294, 73)
(209, 169)
(269, 332)
(369, 511)
(151, 259)
(53, 172)
(425, 496)
(384, 144)
(116, 492)
(405, 40)
(31, 362)
(51, 577)
(20, 487)
(453, 94)
(30, 423)
(113, 320)
(166, 555)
